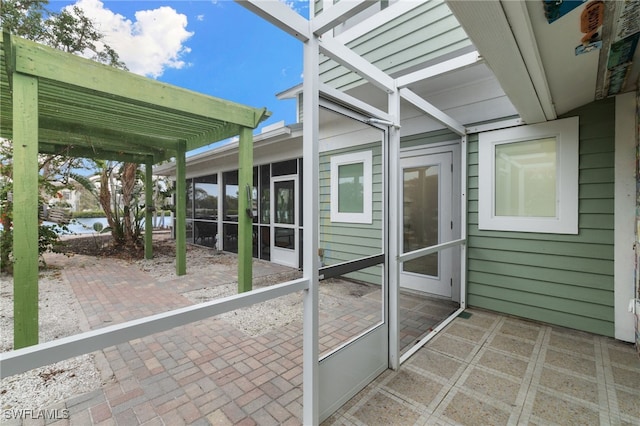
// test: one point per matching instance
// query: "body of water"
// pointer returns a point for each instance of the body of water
(85, 225)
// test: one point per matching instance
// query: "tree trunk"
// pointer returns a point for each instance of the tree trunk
(128, 182)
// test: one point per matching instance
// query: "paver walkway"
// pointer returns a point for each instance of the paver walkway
(202, 373)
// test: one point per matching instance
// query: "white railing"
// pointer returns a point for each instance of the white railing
(24, 359)
(414, 255)
(429, 250)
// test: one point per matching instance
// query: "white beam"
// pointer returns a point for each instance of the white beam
(280, 15)
(337, 14)
(364, 107)
(457, 63)
(356, 63)
(432, 111)
(520, 23)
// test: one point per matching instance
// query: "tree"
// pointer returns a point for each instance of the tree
(69, 30)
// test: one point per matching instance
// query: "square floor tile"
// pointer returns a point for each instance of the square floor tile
(409, 384)
(503, 363)
(512, 345)
(436, 363)
(481, 319)
(493, 386)
(382, 410)
(520, 329)
(470, 411)
(629, 403)
(456, 348)
(624, 354)
(460, 329)
(558, 411)
(570, 343)
(574, 363)
(570, 385)
(626, 377)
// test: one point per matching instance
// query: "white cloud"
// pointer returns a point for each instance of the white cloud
(200, 18)
(154, 42)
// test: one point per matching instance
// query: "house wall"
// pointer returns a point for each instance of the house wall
(566, 280)
(342, 242)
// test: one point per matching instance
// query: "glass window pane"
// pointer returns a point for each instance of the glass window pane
(230, 237)
(285, 238)
(420, 208)
(206, 201)
(283, 168)
(285, 202)
(205, 233)
(189, 197)
(525, 180)
(231, 196)
(350, 188)
(265, 182)
(265, 243)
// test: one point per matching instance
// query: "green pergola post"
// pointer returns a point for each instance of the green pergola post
(148, 214)
(245, 210)
(25, 210)
(181, 210)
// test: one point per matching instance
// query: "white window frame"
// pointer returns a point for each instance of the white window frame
(567, 158)
(364, 157)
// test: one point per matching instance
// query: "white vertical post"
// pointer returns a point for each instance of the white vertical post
(310, 138)
(393, 176)
(463, 222)
(625, 210)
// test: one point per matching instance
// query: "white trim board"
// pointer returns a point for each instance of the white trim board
(624, 202)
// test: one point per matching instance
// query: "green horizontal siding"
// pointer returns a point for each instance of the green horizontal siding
(342, 242)
(423, 34)
(560, 279)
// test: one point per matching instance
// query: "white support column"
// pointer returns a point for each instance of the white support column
(393, 175)
(463, 222)
(624, 199)
(310, 154)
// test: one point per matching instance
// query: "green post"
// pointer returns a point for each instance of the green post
(181, 210)
(25, 210)
(148, 214)
(245, 210)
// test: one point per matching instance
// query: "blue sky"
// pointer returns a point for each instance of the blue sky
(214, 47)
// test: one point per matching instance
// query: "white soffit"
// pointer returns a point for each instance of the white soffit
(572, 78)
(487, 26)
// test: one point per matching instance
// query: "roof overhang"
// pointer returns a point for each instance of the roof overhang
(542, 63)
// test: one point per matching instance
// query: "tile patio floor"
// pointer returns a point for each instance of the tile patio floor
(491, 369)
(487, 369)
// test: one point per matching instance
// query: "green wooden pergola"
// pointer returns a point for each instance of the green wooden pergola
(53, 102)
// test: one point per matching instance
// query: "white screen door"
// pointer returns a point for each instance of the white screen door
(353, 327)
(426, 185)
